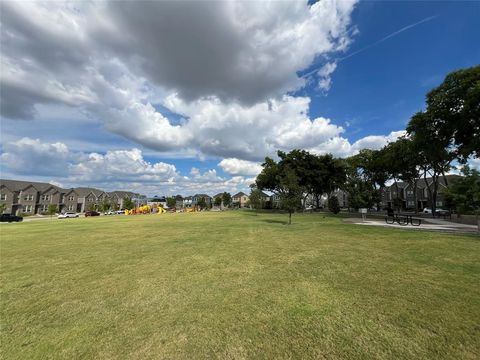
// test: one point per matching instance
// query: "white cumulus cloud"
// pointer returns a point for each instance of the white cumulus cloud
(116, 169)
(234, 166)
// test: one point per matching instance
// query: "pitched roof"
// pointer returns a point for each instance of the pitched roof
(122, 194)
(241, 193)
(201, 195)
(18, 185)
(84, 191)
(68, 191)
(400, 184)
(218, 195)
(422, 184)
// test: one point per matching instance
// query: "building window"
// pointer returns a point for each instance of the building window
(28, 197)
(410, 203)
(439, 203)
(3, 197)
(71, 198)
(70, 207)
(27, 208)
(409, 192)
(45, 197)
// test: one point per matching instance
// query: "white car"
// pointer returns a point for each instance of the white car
(67, 215)
(438, 211)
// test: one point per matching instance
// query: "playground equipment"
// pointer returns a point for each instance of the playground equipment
(146, 209)
(155, 209)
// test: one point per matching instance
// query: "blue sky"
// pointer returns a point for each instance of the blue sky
(377, 90)
(161, 105)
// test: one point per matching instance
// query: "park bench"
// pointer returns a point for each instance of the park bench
(403, 219)
(444, 215)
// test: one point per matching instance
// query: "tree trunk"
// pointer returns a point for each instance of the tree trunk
(434, 193)
(305, 201)
(445, 178)
(289, 217)
(478, 221)
(395, 201)
(415, 195)
(429, 188)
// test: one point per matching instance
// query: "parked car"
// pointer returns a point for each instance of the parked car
(10, 218)
(438, 211)
(67, 215)
(120, 212)
(92, 213)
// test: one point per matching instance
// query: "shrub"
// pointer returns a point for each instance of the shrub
(333, 204)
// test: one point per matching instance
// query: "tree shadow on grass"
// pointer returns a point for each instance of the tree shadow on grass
(271, 221)
(248, 213)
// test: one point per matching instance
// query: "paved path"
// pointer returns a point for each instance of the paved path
(427, 224)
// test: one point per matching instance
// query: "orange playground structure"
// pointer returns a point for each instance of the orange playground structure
(146, 209)
(155, 209)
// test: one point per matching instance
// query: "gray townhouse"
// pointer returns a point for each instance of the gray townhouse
(404, 193)
(26, 197)
(196, 198)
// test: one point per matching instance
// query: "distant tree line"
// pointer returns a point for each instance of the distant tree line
(447, 131)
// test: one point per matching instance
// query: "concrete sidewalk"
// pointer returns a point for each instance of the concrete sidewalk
(427, 224)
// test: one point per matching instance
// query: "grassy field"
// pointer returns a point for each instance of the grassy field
(236, 285)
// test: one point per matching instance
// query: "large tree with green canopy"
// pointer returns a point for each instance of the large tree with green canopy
(434, 152)
(281, 178)
(454, 111)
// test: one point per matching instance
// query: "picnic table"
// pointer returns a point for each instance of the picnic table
(403, 219)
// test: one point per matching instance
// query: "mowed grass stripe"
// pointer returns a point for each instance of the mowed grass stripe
(236, 285)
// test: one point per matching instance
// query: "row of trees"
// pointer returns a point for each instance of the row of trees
(447, 131)
(107, 205)
(299, 174)
(224, 200)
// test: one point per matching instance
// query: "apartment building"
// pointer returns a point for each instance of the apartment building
(402, 194)
(240, 199)
(196, 198)
(24, 197)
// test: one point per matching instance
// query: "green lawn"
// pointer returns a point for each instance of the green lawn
(236, 285)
